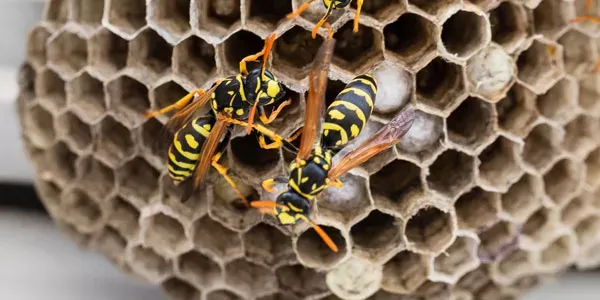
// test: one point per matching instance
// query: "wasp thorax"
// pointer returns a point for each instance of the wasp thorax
(264, 88)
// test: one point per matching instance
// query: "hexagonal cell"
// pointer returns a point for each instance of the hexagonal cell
(149, 52)
(394, 89)
(107, 52)
(576, 210)
(170, 16)
(50, 90)
(580, 138)
(111, 244)
(301, 281)
(551, 17)
(221, 294)
(115, 143)
(59, 163)
(411, 38)
(96, 178)
(589, 92)
(358, 51)
(355, 278)
(247, 151)
(125, 218)
(67, 52)
(593, 168)
(541, 148)
(515, 264)
(194, 59)
(559, 253)
(74, 131)
(433, 7)
(57, 12)
(496, 241)
(295, 50)
(81, 210)
(49, 193)
(220, 16)
(509, 24)
(517, 112)
(492, 291)
(539, 227)
(406, 180)
(88, 13)
(129, 99)
(477, 209)
(433, 290)
(459, 258)
(563, 181)
(126, 16)
(212, 237)
(498, 167)
(346, 203)
(249, 277)
(239, 45)
(522, 198)
(440, 84)
(475, 279)
(471, 124)
(26, 77)
(451, 172)
(36, 45)
(85, 95)
(425, 138)
(577, 50)
(560, 102)
(39, 126)
(430, 230)
(147, 262)
(314, 253)
(490, 73)
(587, 230)
(226, 207)
(380, 10)
(167, 93)
(165, 235)
(404, 273)
(267, 245)
(178, 289)
(537, 68)
(138, 181)
(269, 12)
(376, 234)
(199, 269)
(465, 33)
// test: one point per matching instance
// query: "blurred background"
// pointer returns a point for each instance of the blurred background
(38, 262)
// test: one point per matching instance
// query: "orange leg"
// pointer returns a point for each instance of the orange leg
(592, 19)
(316, 28)
(254, 57)
(300, 10)
(274, 113)
(359, 5)
(177, 105)
(588, 4)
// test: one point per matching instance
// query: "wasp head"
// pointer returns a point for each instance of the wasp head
(291, 208)
(264, 88)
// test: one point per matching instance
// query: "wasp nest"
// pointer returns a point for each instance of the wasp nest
(493, 189)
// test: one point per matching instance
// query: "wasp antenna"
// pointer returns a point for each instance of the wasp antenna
(324, 236)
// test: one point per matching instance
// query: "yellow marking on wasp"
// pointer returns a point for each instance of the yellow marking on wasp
(230, 93)
(358, 92)
(296, 188)
(313, 187)
(351, 106)
(207, 127)
(336, 114)
(326, 167)
(188, 155)
(303, 180)
(286, 218)
(294, 208)
(180, 164)
(201, 129)
(191, 141)
(228, 110)
(241, 87)
(354, 130)
(272, 88)
(326, 132)
(368, 82)
(338, 128)
(239, 112)
(177, 178)
(178, 172)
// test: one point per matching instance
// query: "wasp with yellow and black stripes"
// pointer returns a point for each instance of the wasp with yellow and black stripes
(198, 142)
(312, 170)
(330, 5)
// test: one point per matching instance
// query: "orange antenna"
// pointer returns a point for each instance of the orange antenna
(328, 241)
(267, 204)
(268, 46)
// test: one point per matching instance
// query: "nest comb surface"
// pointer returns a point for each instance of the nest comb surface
(494, 188)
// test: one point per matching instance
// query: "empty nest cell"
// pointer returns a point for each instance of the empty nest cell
(451, 172)
(167, 94)
(314, 253)
(269, 11)
(129, 99)
(266, 244)
(221, 13)
(152, 265)
(171, 16)
(380, 10)
(542, 147)
(559, 253)
(357, 51)
(459, 258)
(155, 147)
(593, 168)
(517, 111)
(96, 178)
(496, 241)
(240, 45)
(559, 102)
(587, 230)
(81, 210)
(74, 131)
(49, 193)
(522, 198)
(148, 51)
(199, 269)
(59, 162)
(111, 244)
(127, 16)
(247, 151)
(301, 281)
(50, 90)
(115, 144)
(296, 49)
(580, 137)
(464, 33)
(430, 230)
(107, 52)
(39, 126)
(397, 181)
(125, 218)
(537, 67)
(551, 17)
(410, 38)
(434, 7)
(540, 226)
(577, 52)
(227, 208)
(563, 180)
(376, 234)
(36, 45)
(212, 237)
(194, 59)
(138, 180)
(498, 166)
(576, 210)
(86, 97)
(509, 24)
(249, 277)
(404, 273)
(477, 209)
(88, 12)
(178, 289)
(589, 91)
(57, 12)
(515, 264)
(165, 235)
(67, 52)
(440, 84)
(471, 124)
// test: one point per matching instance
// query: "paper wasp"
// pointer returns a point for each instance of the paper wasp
(312, 170)
(330, 5)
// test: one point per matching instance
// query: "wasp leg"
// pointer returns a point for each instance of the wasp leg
(359, 4)
(300, 10)
(267, 185)
(278, 140)
(265, 210)
(275, 113)
(316, 28)
(254, 57)
(223, 171)
(177, 105)
(295, 136)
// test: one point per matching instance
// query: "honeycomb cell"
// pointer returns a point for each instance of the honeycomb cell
(250, 278)
(129, 99)
(472, 124)
(538, 69)
(560, 102)
(147, 262)
(563, 181)
(589, 93)
(460, 258)
(577, 53)
(593, 169)
(411, 39)
(239, 45)
(522, 198)
(211, 237)
(75, 132)
(300, 281)
(559, 253)
(95, 177)
(126, 17)
(430, 230)
(178, 289)
(150, 53)
(347, 203)
(441, 85)
(404, 273)
(357, 52)
(380, 10)
(515, 264)
(125, 218)
(425, 137)
(355, 279)
(491, 73)
(81, 210)
(376, 235)
(551, 17)
(267, 245)
(221, 294)
(496, 241)
(85, 96)
(111, 244)
(477, 209)
(498, 167)
(165, 235)
(26, 77)
(57, 12)
(49, 193)
(540, 226)
(475, 279)
(167, 93)
(589, 258)
(465, 33)
(314, 253)
(433, 290)
(576, 210)
(295, 50)
(517, 111)
(199, 269)
(115, 144)
(170, 17)
(269, 12)
(587, 230)
(580, 137)
(451, 173)
(509, 24)
(226, 207)
(88, 13)
(50, 90)
(194, 59)
(67, 53)
(221, 17)
(394, 88)
(155, 148)
(59, 163)
(107, 52)
(541, 148)
(247, 152)
(36, 46)
(434, 7)
(138, 181)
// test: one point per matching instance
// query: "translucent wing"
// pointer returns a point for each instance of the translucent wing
(315, 102)
(384, 138)
(184, 115)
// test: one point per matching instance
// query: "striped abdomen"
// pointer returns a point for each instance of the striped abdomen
(187, 144)
(347, 115)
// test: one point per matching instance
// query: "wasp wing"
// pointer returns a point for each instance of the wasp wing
(315, 102)
(185, 114)
(208, 150)
(385, 137)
